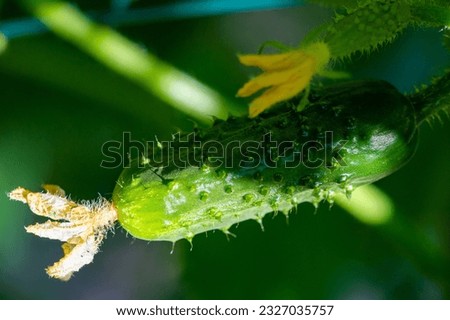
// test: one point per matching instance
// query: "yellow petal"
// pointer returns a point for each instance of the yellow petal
(267, 79)
(277, 94)
(271, 62)
(287, 74)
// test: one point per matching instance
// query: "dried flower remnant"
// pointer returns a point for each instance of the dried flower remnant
(81, 226)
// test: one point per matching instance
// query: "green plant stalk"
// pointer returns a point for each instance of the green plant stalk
(432, 100)
(125, 57)
(368, 204)
(3, 43)
(373, 207)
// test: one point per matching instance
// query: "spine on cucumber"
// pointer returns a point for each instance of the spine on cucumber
(350, 134)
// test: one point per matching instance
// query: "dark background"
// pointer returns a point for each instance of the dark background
(58, 106)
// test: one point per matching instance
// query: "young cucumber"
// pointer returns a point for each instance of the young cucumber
(350, 134)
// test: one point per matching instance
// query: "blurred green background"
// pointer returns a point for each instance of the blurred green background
(58, 106)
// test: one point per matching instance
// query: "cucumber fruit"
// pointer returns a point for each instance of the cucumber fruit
(350, 134)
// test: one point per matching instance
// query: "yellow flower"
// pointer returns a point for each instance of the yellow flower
(285, 74)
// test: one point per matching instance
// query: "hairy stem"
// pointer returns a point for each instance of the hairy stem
(433, 99)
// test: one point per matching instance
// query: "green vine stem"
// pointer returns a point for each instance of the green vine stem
(373, 207)
(430, 101)
(3, 43)
(125, 57)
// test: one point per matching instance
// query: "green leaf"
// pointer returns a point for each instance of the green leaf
(429, 15)
(368, 27)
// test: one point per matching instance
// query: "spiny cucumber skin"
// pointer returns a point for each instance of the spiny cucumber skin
(377, 121)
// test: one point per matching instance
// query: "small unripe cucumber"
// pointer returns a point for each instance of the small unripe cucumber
(373, 131)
